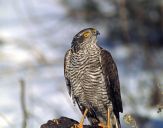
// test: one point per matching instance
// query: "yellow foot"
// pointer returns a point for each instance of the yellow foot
(108, 119)
(77, 126)
(102, 125)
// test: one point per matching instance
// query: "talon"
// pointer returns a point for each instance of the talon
(102, 125)
(77, 126)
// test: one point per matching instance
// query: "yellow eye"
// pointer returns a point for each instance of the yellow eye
(86, 34)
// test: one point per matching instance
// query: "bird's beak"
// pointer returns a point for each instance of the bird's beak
(97, 33)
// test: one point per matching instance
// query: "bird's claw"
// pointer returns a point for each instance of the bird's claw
(77, 126)
(101, 125)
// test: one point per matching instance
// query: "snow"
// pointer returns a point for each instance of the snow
(38, 59)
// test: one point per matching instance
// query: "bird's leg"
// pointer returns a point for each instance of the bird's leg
(108, 125)
(109, 112)
(116, 121)
(108, 118)
(80, 125)
(82, 120)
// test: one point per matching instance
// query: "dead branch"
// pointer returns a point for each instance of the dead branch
(63, 122)
(23, 104)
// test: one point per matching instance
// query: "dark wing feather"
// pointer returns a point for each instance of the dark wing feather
(111, 76)
(66, 69)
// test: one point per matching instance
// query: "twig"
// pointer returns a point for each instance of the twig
(6, 120)
(160, 106)
(23, 103)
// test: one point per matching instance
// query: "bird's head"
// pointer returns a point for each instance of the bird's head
(85, 36)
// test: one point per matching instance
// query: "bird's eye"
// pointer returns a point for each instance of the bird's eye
(86, 34)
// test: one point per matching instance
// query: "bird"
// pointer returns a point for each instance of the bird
(92, 80)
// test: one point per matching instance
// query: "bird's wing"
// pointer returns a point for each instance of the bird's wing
(111, 77)
(66, 69)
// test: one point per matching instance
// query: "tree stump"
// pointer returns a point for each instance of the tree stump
(63, 122)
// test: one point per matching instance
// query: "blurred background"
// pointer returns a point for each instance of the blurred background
(34, 36)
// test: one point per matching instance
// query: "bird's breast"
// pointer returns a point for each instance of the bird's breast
(85, 73)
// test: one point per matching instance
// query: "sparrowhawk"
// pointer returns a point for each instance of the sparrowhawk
(92, 79)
